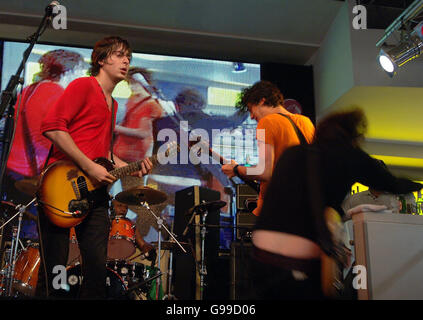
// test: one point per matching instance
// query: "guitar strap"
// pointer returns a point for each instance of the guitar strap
(112, 131)
(300, 135)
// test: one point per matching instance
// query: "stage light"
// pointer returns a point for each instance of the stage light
(391, 59)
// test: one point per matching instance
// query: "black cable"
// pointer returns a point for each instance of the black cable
(42, 251)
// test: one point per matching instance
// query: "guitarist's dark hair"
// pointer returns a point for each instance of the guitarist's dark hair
(260, 90)
(103, 49)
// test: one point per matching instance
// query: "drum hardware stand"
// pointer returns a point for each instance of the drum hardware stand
(202, 269)
(160, 226)
(139, 285)
(14, 245)
(169, 295)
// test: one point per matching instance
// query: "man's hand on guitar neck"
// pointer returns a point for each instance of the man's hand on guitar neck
(146, 166)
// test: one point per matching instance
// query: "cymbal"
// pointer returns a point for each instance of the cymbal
(28, 186)
(209, 206)
(169, 245)
(8, 209)
(137, 195)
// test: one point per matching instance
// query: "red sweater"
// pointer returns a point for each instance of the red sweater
(82, 111)
(29, 149)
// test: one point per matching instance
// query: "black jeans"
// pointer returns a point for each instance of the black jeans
(92, 235)
(277, 277)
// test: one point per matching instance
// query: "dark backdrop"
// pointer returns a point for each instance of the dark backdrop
(295, 82)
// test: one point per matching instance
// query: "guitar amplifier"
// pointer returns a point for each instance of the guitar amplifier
(241, 287)
(245, 221)
(243, 193)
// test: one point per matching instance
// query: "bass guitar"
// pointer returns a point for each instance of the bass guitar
(66, 193)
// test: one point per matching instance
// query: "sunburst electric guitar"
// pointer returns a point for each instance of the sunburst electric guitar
(66, 193)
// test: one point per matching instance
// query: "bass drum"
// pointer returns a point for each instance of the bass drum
(115, 286)
(121, 243)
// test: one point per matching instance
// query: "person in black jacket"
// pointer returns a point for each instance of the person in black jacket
(290, 234)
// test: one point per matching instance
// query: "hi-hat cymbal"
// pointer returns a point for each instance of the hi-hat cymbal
(137, 195)
(27, 186)
(8, 210)
(207, 206)
(169, 245)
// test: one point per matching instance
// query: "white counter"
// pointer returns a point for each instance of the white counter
(390, 246)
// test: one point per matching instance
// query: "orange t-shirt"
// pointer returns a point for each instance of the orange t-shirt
(279, 132)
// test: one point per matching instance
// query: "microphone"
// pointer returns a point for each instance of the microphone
(49, 8)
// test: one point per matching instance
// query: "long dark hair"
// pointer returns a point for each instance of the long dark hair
(342, 127)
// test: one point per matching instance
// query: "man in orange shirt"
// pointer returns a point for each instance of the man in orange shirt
(275, 133)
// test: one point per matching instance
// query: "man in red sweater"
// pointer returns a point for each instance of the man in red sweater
(79, 126)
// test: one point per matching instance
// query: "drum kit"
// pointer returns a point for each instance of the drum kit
(126, 279)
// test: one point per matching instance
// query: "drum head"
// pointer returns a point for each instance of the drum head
(120, 249)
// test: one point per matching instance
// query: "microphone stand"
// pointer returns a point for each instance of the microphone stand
(8, 96)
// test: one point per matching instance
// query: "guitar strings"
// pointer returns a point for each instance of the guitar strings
(127, 169)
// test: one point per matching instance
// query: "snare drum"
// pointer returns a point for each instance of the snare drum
(121, 243)
(25, 276)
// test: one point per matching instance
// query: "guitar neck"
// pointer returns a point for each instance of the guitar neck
(254, 185)
(131, 168)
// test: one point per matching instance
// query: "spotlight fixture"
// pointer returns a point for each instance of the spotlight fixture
(410, 46)
(238, 67)
(391, 59)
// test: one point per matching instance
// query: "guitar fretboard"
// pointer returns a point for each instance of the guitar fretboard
(134, 166)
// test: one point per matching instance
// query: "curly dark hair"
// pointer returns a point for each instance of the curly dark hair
(103, 49)
(260, 90)
(346, 127)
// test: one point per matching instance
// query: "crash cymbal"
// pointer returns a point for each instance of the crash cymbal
(27, 186)
(207, 206)
(8, 210)
(169, 245)
(137, 195)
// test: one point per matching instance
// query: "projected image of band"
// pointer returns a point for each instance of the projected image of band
(161, 93)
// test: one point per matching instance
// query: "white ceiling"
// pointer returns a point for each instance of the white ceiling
(284, 31)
